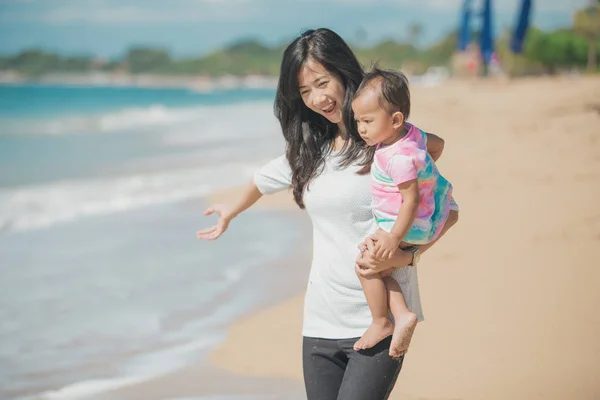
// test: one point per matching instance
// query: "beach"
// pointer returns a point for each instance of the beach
(510, 295)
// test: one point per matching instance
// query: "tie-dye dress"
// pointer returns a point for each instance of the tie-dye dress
(405, 160)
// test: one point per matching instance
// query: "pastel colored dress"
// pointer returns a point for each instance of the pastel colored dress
(400, 162)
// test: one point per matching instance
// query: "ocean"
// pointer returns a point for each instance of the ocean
(102, 280)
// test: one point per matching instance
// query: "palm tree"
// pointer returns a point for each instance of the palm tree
(587, 23)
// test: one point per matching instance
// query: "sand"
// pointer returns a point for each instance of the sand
(511, 294)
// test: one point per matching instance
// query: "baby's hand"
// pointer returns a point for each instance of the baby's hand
(386, 245)
(364, 246)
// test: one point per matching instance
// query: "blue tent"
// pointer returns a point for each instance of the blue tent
(518, 36)
(486, 36)
(464, 33)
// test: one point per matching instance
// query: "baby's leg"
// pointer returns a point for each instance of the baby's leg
(405, 320)
(381, 327)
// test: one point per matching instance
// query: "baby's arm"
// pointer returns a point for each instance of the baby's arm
(387, 243)
(435, 146)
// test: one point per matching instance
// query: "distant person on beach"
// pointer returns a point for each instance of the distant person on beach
(326, 165)
(411, 199)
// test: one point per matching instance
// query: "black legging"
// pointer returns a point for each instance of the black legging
(334, 371)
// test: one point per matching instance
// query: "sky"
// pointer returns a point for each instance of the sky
(107, 28)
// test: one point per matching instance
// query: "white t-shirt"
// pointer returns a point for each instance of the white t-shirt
(338, 202)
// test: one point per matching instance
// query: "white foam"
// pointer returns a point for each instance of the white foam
(88, 388)
(144, 368)
(244, 132)
(248, 122)
(140, 119)
(227, 397)
(233, 275)
(39, 206)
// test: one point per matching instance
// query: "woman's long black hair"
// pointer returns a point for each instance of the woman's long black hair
(309, 135)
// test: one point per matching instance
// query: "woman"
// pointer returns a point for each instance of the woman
(326, 165)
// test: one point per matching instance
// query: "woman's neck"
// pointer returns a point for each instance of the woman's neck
(341, 137)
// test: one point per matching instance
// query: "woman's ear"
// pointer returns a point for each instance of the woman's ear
(397, 120)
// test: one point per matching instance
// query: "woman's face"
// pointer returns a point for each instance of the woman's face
(322, 91)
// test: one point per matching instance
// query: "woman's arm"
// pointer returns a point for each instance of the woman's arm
(367, 264)
(452, 219)
(250, 196)
(435, 146)
(273, 177)
(226, 213)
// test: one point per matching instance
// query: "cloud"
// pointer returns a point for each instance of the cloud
(455, 5)
(121, 11)
(104, 15)
(60, 12)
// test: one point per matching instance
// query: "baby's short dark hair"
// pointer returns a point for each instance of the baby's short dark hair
(394, 94)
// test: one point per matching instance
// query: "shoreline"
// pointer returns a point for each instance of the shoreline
(205, 83)
(196, 83)
(250, 328)
(155, 363)
(204, 379)
(509, 295)
(512, 314)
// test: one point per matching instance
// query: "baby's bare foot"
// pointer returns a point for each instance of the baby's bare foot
(378, 331)
(403, 332)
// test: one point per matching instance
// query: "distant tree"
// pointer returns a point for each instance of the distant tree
(543, 52)
(388, 53)
(76, 64)
(562, 48)
(35, 62)
(145, 59)
(241, 58)
(440, 52)
(587, 23)
(247, 46)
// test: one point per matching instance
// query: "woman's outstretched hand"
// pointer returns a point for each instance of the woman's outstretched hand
(220, 227)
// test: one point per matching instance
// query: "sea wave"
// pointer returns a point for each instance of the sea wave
(39, 206)
(140, 119)
(145, 368)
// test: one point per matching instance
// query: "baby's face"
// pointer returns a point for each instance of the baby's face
(375, 124)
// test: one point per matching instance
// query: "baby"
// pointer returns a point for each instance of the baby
(411, 200)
